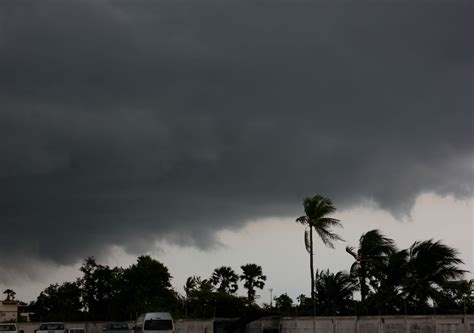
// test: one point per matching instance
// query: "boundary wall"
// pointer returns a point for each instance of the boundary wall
(382, 324)
(376, 324)
(181, 326)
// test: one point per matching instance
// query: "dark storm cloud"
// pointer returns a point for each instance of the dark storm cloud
(126, 122)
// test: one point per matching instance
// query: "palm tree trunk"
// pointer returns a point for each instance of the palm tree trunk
(311, 265)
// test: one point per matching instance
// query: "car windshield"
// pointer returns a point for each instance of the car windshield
(4, 328)
(51, 327)
(116, 327)
(76, 330)
(158, 325)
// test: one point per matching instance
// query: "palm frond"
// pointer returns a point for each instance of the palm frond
(302, 220)
(350, 250)
(318, 206)
(328, 222)
(328, 237)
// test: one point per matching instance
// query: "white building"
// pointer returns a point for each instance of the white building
(9, 311)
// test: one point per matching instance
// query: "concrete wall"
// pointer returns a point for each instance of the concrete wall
(181, 326)
(388, 324)
(194, 326)
(92, 327)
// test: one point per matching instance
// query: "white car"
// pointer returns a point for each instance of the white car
(52, 327)
(10, 328)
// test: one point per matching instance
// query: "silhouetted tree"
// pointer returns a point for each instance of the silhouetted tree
(302, 301)
(253, 277)
(190, 285)
(456, 297)
(58, 303)
(284, 304)
(334, 292)
(317, 210)
(370, 259)
(225, 279)
(430, 266)
(199, 296)
(147, 286)
(100, 286)
(10, 295)
(388, 295)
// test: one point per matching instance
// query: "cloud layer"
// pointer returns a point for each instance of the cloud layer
(124, 123)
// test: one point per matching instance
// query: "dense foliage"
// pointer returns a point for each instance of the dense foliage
(105, 293)
(423, 279)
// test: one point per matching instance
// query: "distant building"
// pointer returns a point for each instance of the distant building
(14, 311)
(9, 311)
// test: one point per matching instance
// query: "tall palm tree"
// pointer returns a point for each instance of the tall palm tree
(334, 292)
(317, 209)
(253, 277)
(226, 279)
(371, 256)
(431, 265)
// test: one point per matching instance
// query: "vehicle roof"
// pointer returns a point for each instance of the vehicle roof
(53, 322)
(158, 315)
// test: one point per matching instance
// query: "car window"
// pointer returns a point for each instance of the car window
(117, 326)
(158, 325)
(4, 328)
(51, 327)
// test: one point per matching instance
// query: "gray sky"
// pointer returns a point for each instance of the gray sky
(139, 126)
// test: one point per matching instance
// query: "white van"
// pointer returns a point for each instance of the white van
(154, 322)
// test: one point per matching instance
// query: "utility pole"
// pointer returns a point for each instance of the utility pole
(271, 297)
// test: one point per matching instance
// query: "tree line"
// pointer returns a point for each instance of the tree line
(425, 278)
(115, 293)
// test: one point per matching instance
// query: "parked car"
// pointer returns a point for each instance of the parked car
(77, 330)
(51, 328)
(10, 328)
(154, 322)
(116, 327)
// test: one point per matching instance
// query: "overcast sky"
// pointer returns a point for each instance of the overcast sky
(192, 130)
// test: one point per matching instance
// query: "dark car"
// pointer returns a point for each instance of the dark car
(119, 327)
